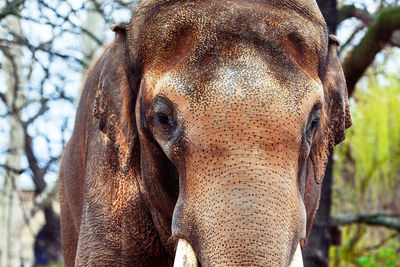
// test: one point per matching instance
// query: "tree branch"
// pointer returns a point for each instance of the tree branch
(377, 36)
(350, 39)
(351, 11)
(38, 174)
(3, 98)
(11, 169)
(42, 200)
(43, 109)
(11, 8)
(379, 219)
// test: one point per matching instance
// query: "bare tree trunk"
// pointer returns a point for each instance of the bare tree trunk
(94, 27)
(11, 209)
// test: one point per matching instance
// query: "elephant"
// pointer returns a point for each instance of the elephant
(202, 136)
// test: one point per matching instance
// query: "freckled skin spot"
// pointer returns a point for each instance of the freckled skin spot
(196, 123)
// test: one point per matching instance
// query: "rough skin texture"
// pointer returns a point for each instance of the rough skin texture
(205, 120)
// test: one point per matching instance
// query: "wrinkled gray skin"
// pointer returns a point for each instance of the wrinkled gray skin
(209, 121)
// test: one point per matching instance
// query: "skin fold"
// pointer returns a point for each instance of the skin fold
(209, 121)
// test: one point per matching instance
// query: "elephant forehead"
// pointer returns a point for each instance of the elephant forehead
(248, 80)
(199, 32)
(266, 52)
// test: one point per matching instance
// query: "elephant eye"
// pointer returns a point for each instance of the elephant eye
(312, 128)
(163, 117)
(163, 120)
(313, 124)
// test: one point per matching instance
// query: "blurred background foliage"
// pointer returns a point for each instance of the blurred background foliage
(367, 174)
(46, 47)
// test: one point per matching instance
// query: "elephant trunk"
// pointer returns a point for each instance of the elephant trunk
(186, 257)
(251, 217)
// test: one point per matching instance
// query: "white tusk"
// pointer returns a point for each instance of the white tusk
(297, 260)
(185, 256)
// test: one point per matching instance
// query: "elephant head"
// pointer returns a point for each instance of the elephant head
(207, 122)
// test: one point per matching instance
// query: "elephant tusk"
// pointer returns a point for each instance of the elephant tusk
(185, 256)
(297, 260)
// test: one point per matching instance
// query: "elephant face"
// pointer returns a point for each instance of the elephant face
(227, 112)
(236, 114)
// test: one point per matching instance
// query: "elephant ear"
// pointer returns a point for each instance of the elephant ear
(336, 115)
(335, 120)
(115, 98)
